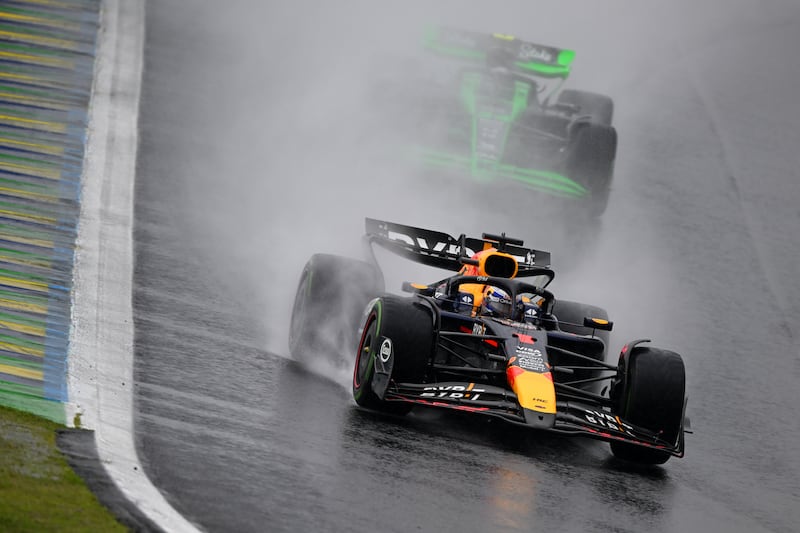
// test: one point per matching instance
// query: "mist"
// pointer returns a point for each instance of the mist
(299, 154)
(261, 146)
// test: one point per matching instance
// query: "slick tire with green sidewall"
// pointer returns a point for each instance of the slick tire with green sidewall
(409, 326)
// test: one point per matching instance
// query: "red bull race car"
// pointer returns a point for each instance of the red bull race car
(489, 339)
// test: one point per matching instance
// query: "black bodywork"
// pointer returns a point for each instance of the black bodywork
(474, 351)
(441, 348)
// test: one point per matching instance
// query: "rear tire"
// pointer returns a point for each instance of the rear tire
(652, 395)
(570, 317)
(409, 326)
(591, 162)
(331, 296)
(598, 106)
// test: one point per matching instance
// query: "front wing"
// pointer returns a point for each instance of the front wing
(572, 418)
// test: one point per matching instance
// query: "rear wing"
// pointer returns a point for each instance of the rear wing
(546, 61)
(440, 250)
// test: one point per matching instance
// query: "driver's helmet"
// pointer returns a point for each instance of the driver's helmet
(496, 302)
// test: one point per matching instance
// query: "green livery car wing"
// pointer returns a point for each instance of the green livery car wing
(541, 60)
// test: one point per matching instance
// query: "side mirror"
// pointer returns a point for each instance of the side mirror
(598, 323)
(417, 288)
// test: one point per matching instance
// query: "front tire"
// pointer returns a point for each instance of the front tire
(650, 394)
(409, 327)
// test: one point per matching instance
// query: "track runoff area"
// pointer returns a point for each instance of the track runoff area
(70, 74)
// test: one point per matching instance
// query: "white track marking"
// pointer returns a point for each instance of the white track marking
(101, 338)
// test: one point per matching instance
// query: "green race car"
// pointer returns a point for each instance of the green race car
(501, 117)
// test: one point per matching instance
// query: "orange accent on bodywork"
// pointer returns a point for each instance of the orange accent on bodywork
(511, 374)
(534, 391)
(457, 407)
(477, 289)
(480, 257)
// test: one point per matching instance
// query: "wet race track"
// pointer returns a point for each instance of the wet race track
(254, 155)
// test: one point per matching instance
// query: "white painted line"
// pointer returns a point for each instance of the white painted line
(101, 337)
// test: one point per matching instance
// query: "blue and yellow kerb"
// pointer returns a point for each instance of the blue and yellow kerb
(47, 51)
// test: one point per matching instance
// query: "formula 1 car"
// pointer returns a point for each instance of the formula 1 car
(489, 340)
(502, 119)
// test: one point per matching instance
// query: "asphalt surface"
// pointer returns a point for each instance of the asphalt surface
(252, 158)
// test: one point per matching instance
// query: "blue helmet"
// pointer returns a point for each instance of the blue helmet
(496, 302)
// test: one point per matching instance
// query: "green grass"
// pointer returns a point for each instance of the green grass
(39, 492)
